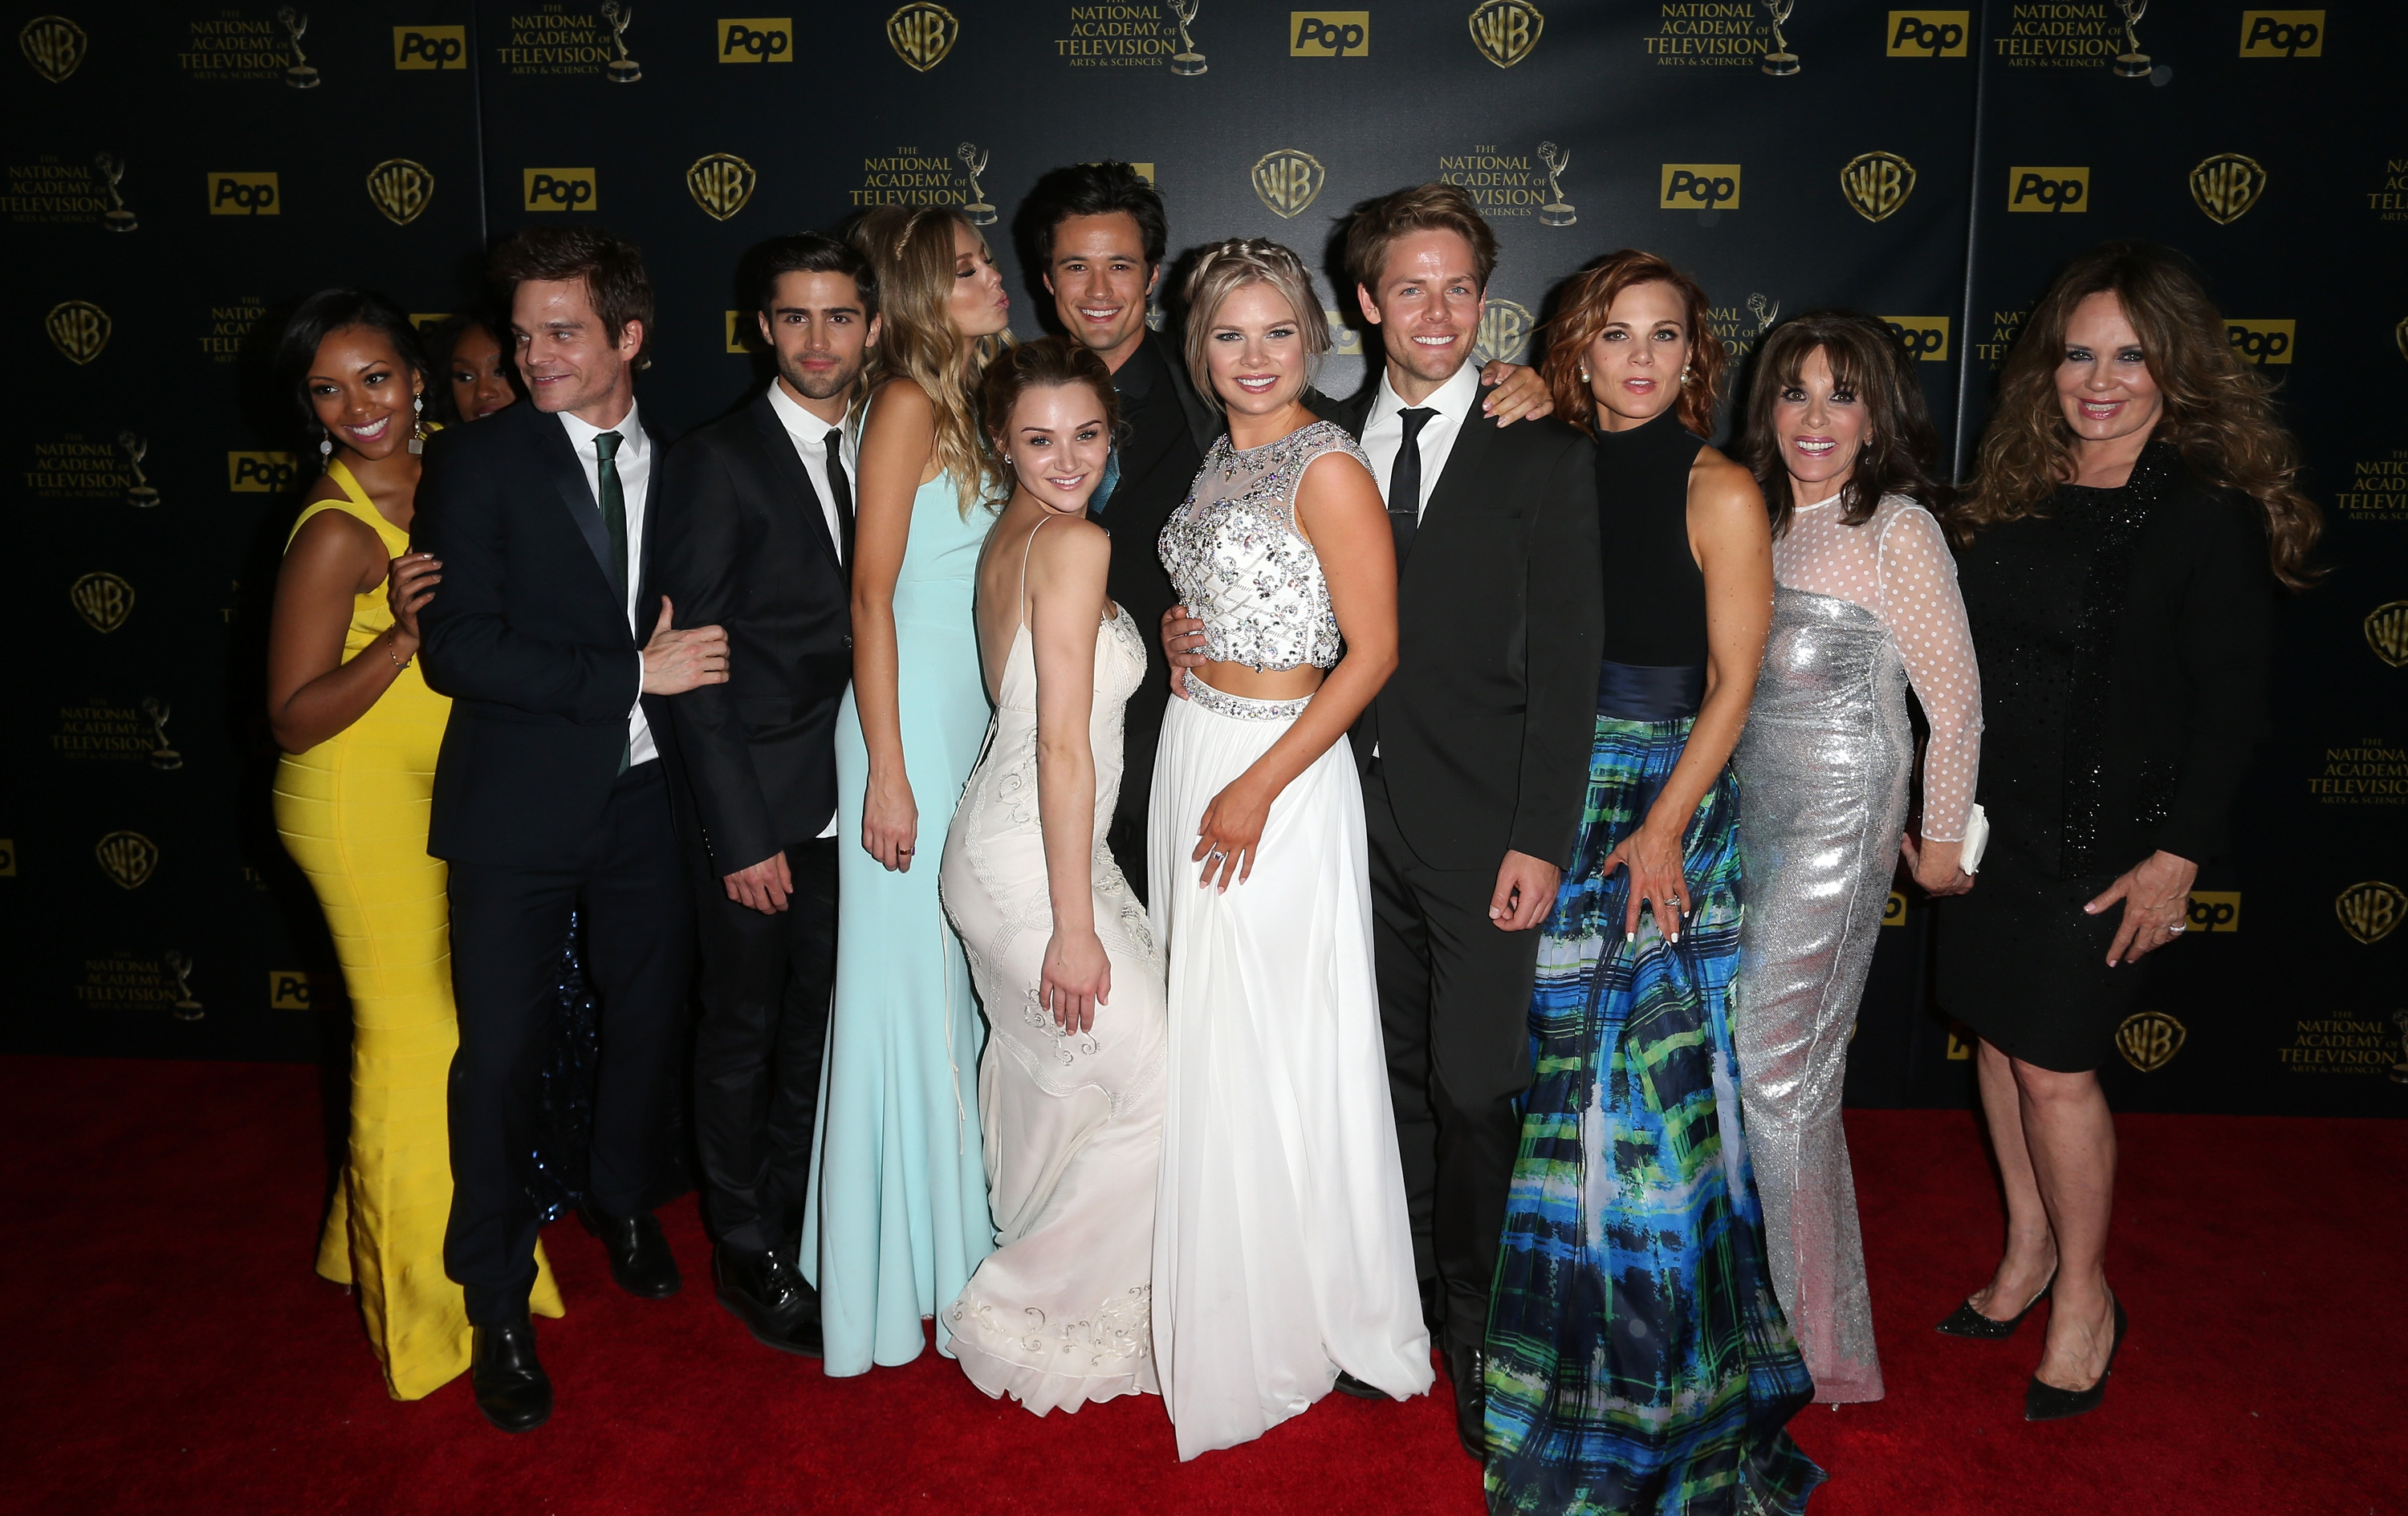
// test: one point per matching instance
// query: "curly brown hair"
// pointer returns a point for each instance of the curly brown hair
(1580, 316)
(1048, 363)
(1900, 452)
(2219, 412)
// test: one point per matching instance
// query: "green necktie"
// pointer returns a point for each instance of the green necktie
(614, 519)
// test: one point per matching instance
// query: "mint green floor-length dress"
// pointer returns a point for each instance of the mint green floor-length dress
(896, 1218)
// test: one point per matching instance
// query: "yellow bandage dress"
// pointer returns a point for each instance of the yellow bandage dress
(352, 814)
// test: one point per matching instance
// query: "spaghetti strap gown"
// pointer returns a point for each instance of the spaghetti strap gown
(352, 814)
(896, 1214)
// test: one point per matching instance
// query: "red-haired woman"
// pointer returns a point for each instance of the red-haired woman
(2131, 513)
(1637, 1359)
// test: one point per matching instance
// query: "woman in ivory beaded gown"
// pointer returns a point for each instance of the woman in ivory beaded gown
(1866, 605)
(1070, 1083)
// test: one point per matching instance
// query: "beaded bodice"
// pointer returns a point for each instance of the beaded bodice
(1240, 565)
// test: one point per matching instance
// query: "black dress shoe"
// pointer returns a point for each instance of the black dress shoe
(1468, 1368)
(2047, 1403)
(773, 1302)
(1348, 1385)
(1965, 1321)
(640, 1259)
(512, 1389)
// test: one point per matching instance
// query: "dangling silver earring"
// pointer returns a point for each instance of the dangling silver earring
(325, 448)
(418, 423)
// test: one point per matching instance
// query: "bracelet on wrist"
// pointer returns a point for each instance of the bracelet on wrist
(392, 650)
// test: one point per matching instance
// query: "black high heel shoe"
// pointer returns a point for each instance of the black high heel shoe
(2047, 1403)
(1965, 1321)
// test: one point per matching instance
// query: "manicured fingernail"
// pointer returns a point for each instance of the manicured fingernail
(1629, 937)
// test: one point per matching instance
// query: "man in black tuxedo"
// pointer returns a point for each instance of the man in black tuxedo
(756, 535)
(1097, 233)
(548, 794)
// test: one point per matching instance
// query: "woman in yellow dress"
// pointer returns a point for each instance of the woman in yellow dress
(360, 730)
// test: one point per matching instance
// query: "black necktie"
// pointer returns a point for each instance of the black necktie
(1405, 483)
(614, 507)
(841, 489)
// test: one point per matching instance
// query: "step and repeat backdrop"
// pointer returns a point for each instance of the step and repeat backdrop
(177, 176)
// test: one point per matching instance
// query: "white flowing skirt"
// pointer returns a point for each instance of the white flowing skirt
(1282, 1252)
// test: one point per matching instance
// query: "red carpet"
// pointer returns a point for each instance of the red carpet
(170, 1351)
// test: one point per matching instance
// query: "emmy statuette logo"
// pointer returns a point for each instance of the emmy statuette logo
(2371, 909)
(2214, 911)
(54, 45)
(1286, 180)
(103, 600)
(157, 712)
(2225, 187)
(298, 75)
(127, 858)
(1504, 331)
(117, 218)
(2261, 341)
(261, 472)
(1780, 63)
(1928, 33)
(1505, 32)
(558, 189)
(135, 447)
(1766, 311)
(1186, 63)
(2282, 34)
(1923, 337)
(973, 158)
(921, 34)
(720, 183)
(187, 1008)
(2132, 63)
(400, 190)
(757, 39)
(2387, 633)
(1330, 34)
(2048, 190)
(244, 194)
(1699, 187)
(1875, 184)
(622, 70)
(2149, 1040)
(430, 47)
(1557, 212)
(78, 329)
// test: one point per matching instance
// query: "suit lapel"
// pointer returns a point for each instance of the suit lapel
(779, 444)
(568, 481)
(657, 444)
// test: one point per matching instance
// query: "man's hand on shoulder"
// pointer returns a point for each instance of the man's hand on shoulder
(676, 661)
(1520, 394)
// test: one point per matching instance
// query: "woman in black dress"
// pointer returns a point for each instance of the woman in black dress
(2132, 511)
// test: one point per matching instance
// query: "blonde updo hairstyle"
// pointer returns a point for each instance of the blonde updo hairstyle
(1221, 271)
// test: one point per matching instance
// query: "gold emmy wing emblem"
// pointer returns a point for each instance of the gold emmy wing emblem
(720, 183)
(127, 858)
(923, 34)
(1876, 184)
(141, 492)
(1505, 31)
(1557, 212)
(1287, 180)
(2150, 1039)
(2370, 910)
(2386, 631)
(400, 189)
(78, 329)
(54, 45)
(1186, 63)
(2132, 63)
(1504, 333)
(103, 599)
(117, 218)
(2225, 187)
(187, 1008)
(622, 70)
(973, 158)
(300, 74)
(1780, 63)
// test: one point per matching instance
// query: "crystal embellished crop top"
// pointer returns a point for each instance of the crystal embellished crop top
(1239, 566)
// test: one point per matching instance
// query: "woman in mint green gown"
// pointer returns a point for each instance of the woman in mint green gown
(896, 1217)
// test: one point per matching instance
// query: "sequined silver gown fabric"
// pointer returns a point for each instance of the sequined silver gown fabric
(1823, 769)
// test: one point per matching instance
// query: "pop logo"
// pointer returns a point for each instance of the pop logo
(243, 195)
(1330, 34)
(2261, 341)
(1923, 337)
(757, 39)
(2048, 189)
(1700, 187)
(559, 189)
(261, 472)
(290, 989)
(2282, 34)
(1928, 33)
(2214, 911)
(430, 47)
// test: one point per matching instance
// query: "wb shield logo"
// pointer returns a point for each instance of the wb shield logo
(1923, 337)
(1286, 180)
(400, 190)
(921, 34)
(103, 600)
(2225, 187)
(260, 473)
(2048, 189)
(243, 195)
(757, 39)
(2261, 341)
(559, 189)
(1505, 32)
(1504, 333)
(2371, 909)
(2387, 633)
(2282, 34)
(1328, 34)
(1928, 33)
(78, 329)
(430, 47)
(2150, 1039)
(127, 858)
(1876, 184)
(720, 183)
(54, 45)
(1700, 187)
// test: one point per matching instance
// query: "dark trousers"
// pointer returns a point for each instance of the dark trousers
(1125, 837)
(1455, 1005)
(766, 985)
(507, 926)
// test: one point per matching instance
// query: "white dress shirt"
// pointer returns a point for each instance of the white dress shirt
(1384, 428)
(634, 463)
(809, 435)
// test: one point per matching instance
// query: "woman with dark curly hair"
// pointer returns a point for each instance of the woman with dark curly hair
(468, 355)
(2132, 511)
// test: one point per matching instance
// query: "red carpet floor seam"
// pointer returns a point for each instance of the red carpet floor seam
(171, 1352)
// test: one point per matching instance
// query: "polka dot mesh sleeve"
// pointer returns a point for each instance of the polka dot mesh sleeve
(1898, 567)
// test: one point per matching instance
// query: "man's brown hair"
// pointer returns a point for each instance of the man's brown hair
(610, 266)
(1376, 225)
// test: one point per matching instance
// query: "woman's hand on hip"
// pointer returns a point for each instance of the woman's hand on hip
(2156, 905)
(1230, 832)
(1934, 865)
(890, 823)
(1653, 854)
(1076, 979)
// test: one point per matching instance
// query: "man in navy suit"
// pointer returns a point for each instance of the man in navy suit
(548, 794)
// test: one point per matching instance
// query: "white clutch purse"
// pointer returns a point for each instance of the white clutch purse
(1977, 837)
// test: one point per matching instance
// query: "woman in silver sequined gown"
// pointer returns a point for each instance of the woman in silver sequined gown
(1866, 603)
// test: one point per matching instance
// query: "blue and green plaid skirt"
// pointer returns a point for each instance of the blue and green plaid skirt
(1637, 1361)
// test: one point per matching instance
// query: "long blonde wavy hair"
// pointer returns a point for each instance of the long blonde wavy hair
(2220, 411)
(911, 247)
